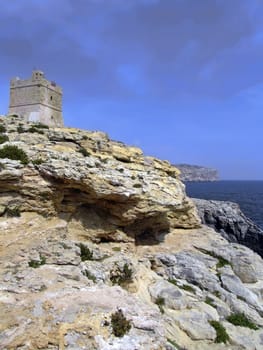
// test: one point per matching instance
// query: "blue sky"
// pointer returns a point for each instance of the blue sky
(182, 79)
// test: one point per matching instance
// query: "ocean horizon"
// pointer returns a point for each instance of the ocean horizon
(247, 193)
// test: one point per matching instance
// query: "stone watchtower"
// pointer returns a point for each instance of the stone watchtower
(36, 99)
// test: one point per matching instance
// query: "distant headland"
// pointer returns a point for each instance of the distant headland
(197, 173)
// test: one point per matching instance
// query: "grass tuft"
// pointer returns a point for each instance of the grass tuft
(210, 302)
(83, 151)
(37, 161)
(221, 333)
(185, 287)
(85, 252)
(221, 261)
(240, 319)
(36, 263)
(160, 302)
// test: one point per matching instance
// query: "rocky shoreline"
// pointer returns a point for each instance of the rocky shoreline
(228, 219)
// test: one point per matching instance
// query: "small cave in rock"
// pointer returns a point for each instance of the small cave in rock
(147, 237)
(70, 199)
(149, 230)
(92, 215)
(95, 222)
(106, 239)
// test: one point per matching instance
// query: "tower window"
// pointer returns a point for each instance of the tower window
(51, 98)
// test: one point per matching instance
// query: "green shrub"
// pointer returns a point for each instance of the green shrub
(83, 151)
(240, 319)
(137, 185)
(185, 287)
(2, 128)
(41, 126)
(14, 153)
(12, 212)
(122, 276)
(221, 334)
(20, 129)
(120, 325)
(36, 263)
(210, 302)
(33, 129)
(85, 252)
(37, 161)
(173, 281)
(3, 138)
(217, 294)
(160, 302)
(221, 261)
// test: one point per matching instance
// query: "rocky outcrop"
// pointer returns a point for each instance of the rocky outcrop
(231, 222)
(103, 185)
(56, 296)
(197, 173)
(101, 249)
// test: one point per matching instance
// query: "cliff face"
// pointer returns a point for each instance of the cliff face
(197, 173)
(77, 173)
(230, 221)
(90, 227)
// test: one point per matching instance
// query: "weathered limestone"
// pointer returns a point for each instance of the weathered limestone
(231, 222)
(102, 228)
(110, 187)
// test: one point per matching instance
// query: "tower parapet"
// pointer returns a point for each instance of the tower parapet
(36, 99)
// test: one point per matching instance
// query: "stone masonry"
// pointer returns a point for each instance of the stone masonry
(36, 99)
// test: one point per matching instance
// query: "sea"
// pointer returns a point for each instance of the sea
(248, 194)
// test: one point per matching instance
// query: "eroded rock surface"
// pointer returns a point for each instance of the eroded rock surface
(228, 219)
(170, 291)
(83, 236)
(104, 185)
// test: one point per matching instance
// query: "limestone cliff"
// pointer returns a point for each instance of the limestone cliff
(85, 176)
(101, 249)
(228, 219)
(197, 173)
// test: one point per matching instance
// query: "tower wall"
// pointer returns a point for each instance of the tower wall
(37, 100)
